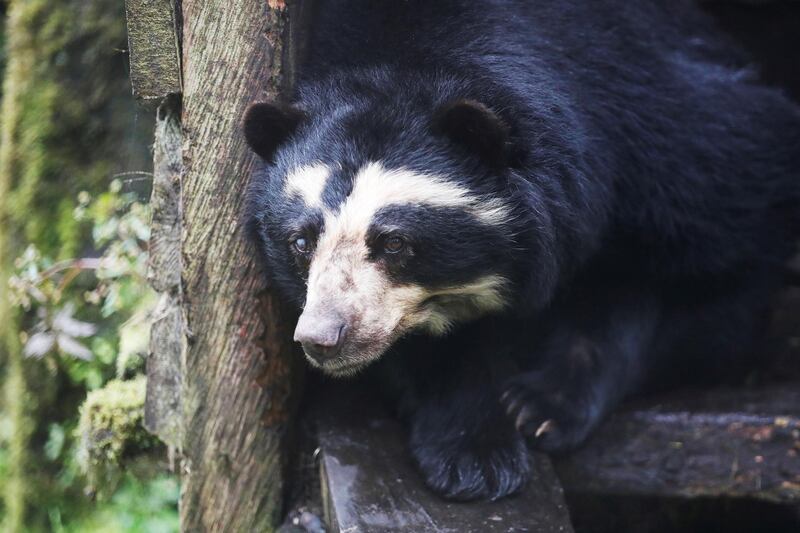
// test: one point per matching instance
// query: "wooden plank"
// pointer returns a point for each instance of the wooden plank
(370, 484)
(153, 48)
(162, 412)
(741, 443)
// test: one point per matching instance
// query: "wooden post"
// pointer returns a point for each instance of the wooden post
(221, 371)
(163, 414)
(238, 356)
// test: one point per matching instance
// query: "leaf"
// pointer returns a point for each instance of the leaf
(65, 323)
(39, 344)
(55, 441)
(70, 346)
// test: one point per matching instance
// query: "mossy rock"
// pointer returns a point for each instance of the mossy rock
(111, 433)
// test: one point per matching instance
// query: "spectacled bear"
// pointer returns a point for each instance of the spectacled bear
(514, 214)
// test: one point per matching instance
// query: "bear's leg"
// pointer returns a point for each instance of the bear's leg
(611, 342)
(460, 437)
(557, 405)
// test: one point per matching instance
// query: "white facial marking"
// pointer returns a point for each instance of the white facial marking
(308, 182)
(376, 187)
(451, 305)
(342, 280)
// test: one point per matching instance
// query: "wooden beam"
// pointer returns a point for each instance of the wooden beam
(370, 485)
(153, 48)
(741, 443)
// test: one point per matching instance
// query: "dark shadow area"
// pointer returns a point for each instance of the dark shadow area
(770, 32)
(636, 514)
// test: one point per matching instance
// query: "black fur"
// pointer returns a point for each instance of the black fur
(654, 185)
(266, 126)
(446, 246)
(474, 126)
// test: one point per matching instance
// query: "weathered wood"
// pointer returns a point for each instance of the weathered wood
(238, 364)
(720, 443)
(153, 48)
(165, 364)
(370, 485)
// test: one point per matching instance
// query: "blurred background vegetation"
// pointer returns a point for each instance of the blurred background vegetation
(74, 304)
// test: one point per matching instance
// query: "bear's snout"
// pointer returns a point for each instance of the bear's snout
(321, 336)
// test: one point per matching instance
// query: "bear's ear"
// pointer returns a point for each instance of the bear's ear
(267, 126)
(476, 127)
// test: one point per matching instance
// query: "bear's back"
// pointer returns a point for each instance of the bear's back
(649, 100)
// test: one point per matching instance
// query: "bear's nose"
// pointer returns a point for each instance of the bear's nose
(321, 337)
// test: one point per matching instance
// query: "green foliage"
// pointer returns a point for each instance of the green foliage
(17, 429)
(101, 300)
(78, 304)
(90, 327)
(69, 126)
(138, 506)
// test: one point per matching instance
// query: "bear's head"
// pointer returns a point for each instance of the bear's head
(380, 220)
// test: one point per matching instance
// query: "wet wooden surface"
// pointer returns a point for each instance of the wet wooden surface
(723, 442)
(742, 443)
(370, 484)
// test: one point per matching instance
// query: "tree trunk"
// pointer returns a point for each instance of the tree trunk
(232, 353)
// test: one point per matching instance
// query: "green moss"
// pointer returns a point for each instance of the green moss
(111, 431)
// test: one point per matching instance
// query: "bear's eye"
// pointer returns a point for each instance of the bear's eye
(301, 245)
(394, 244)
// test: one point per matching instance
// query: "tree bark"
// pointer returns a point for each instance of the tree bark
(237, 358)
(165, 366)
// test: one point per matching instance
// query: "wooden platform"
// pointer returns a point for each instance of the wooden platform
(724, 442)
(370, 485)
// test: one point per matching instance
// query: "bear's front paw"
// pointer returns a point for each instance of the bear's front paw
(553, 416)
(472, 469)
